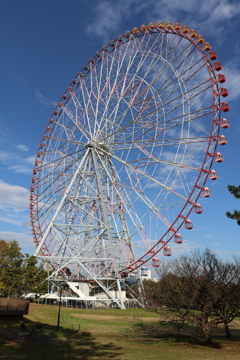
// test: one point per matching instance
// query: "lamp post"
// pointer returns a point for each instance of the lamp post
(59, 307)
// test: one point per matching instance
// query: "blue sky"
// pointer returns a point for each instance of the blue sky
(43, 46)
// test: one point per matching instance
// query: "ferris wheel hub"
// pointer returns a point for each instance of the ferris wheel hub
(98, 145)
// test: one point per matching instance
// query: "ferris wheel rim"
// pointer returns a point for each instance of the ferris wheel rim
(212, 137)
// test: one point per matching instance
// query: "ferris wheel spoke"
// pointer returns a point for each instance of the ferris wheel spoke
(154, 180)
(208, 109)
(132, 213)
(132, 79)
(115, 82)
(176, 78)
(68, 141)
(160, 73)
(176, 106)
(126, 155)
(70, 117)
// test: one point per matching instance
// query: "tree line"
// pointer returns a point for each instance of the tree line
(200, 290)
(19, 273)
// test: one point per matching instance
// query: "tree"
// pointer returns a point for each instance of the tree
(11, 263)
(227, 306)
(33, 277)
(19, 274)
(200, 289)
(4, 247)
(236, 214)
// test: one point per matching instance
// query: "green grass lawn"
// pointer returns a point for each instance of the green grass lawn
(107, 334)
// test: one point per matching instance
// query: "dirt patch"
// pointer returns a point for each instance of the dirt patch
(113, 318)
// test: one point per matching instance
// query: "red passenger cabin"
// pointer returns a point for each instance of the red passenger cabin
(167, 251)
(178, 239)
(188, 224)
(155, 262)
(206, 192)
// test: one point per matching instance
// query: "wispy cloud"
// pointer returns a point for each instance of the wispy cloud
(21, 169)
(10, 220)
(22, 147)
(233, 80)
(24, 240)
(30, 159)
(108, 15)
(24, 81)
(25, 166)
(237, 48)
(185, 247)
(16, 162)
(215, 14)
(15, 197)
(227, 252)
(42, 99)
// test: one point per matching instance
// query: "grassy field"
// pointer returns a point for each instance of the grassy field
(107, 334)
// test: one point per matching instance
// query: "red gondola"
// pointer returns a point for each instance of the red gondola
(213, 175)
(178, 239)
(212, 55)
(217, 66)
(188, 224)
(167, 251)
(206, 192)
(197, 209)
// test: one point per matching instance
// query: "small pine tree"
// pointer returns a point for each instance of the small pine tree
(234, 190)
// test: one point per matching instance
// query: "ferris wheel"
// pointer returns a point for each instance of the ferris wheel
(126, 154)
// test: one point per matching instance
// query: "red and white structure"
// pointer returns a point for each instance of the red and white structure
(126, 155)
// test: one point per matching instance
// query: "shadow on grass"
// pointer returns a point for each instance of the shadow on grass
(54, 345)
(174, 332)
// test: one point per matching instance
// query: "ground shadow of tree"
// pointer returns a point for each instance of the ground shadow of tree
(64, 344)
(174, 332)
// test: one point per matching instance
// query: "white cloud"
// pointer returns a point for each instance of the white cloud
(20, 169)
(22, 147)
(24, 166)
(227, 252)
(225, 10)
(185, 247)
(237, 48)
(5, 157)
(16, 162)
(108, 16)
(233, 80)
(16, 197)
(31, 159)
(215, 14)
(10, 220)
(42, 99)
(25, 241)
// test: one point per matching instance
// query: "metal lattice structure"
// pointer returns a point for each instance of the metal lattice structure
(126, 155)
